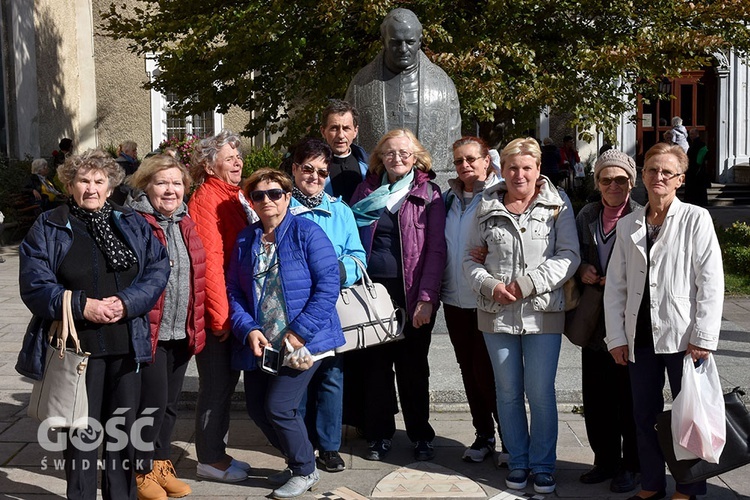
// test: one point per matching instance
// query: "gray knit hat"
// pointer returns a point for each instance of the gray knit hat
(615, 158)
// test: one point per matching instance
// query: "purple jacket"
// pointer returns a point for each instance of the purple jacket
(422, 226)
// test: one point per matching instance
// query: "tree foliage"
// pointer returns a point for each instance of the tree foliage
(510, 59)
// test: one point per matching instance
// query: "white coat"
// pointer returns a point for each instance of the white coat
(686, 281)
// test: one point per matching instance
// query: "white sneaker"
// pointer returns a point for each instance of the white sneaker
(231, 475)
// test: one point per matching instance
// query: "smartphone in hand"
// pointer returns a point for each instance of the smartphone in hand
(270, 360)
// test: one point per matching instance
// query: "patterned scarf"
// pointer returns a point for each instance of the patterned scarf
(119, 256)
(308, 201)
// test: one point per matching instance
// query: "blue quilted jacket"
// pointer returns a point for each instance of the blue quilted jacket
(310, 282)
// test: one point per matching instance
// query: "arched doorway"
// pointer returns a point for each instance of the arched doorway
(694, 101)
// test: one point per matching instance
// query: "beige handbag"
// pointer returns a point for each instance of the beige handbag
(60, 397)
(368, 315)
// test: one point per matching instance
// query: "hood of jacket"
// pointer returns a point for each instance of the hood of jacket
(548, 195)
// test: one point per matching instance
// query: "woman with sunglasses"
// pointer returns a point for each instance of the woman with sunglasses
(471, 159)
(323, 406)
(663, 301)
(606, 385)
(401, 218)
(283, 283)
(220, 212)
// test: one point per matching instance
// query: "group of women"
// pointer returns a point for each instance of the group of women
(246, 272)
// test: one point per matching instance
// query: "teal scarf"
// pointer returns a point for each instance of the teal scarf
(368, 210)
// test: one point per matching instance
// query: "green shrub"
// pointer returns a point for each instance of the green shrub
(736, 258)
(735, 247)
(258, 158)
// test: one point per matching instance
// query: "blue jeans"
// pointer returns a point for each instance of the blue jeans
(535, 450)
(322, 406)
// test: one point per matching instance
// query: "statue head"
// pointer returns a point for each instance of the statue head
(401, 33)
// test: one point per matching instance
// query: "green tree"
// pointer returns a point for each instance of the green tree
(510, 59)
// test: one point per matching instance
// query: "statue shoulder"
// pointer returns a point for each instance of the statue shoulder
(369, 72)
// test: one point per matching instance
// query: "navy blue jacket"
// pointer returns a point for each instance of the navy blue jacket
(309, 279)
(44, 249)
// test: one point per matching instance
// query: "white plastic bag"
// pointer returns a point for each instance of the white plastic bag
(698, 421)
(299, 359)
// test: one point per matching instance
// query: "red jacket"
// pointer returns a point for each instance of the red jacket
(217, 211)
(195, 327)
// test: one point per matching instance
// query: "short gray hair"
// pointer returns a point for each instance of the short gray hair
(91, 159)
(205, 152)
(38, 165)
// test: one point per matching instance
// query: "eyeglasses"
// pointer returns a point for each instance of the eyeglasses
(391, 155)
(273, 195)
(469, 159)
(667, 175)
(309, 170)
(620, 180)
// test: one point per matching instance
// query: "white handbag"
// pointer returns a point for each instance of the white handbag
(60, 397)
(368, 315)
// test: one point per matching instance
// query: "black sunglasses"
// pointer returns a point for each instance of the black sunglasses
(273, 195)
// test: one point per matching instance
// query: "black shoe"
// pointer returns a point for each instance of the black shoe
(331, 461)
(423, 450)
(479, 450)
(656, 496)
(377, 450)
(596, 475)
(624, 481)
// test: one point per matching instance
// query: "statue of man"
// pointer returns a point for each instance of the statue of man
(402, 88)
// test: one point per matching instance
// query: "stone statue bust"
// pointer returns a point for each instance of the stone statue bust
(402, 88)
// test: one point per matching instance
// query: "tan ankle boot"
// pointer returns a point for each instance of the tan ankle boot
(148, 487)
(167, 477)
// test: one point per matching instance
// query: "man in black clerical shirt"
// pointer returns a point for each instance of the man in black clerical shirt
(349, 163)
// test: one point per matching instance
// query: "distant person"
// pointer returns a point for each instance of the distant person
(668, 137)
(65, 149)
(127, 157)
(696, 178)
(568, 159)
(680, 134)
(551, 160)
(348, 166)
(44, 191)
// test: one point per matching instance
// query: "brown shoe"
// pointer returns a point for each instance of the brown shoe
(148, 488)
(167, 478)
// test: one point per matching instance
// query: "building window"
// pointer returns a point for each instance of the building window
(166, 123)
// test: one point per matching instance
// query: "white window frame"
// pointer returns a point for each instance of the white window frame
(160, 106)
